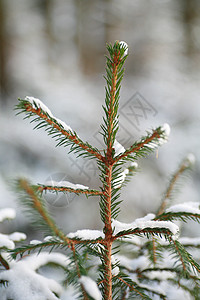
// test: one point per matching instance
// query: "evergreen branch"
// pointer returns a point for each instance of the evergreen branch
(138, 289)
(78, 270)
(56, 129)
(156, 231)
(42, 188)
(134, 287)
(178, 273)
(146, 145)
(172, 270)
(183, 216)
(53, 244)
(4, 283)
(4, 263)
(40, 246)
(194, 290)
(155, 250)
(114, 72)
(186, 164)
(33, 200)
(185, 257)
(190, 242)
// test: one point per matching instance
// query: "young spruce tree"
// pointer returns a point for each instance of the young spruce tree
(144, 259)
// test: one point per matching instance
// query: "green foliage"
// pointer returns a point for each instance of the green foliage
(128, 262)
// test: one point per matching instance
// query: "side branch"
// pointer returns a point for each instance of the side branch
(130, 286)
(36, 204)
(50, 244)
(146, 231)
(135, 148)
(72, 137)
(42, 188)
(4, 263)
(184, 166)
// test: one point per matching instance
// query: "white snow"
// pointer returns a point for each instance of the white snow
(115, 269)
(25, 283)
(38, 260)
(135, 240)
(48, 238)
(134, 164)
(36, 103)
(121, 178)
(190, 241)
(125, 46)
(166, 129)
(142, 224)
(64, 125)
(66, 184)
(164, 275)
(86, 234)
(70, 293)
(141, 262)
(91, 287)
(35, 242)
(189, 160)
(119, 149)
(189, 207)
(6, 242)
(7, 213)
(17, 236)
(148, 217)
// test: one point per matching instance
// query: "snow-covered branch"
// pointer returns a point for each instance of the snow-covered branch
(147, 144)
(55, 127)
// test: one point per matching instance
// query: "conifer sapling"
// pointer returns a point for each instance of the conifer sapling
(133, 260)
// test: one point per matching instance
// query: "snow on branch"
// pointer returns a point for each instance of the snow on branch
(32, 200)
(86, 234)
(90, 287)
(66, 186)
(37, 104)
(186, 164)
(190, 242)
(133, 264)
(55, 127)
(147, 144)
(117, 182)
(188, 207)
(5, 242)
(119, 149)
(25, 283)
(189, 161)
(145, 224)
(185, 258)
(124, 45)
(7, 213)
(182, 211)
(136, 288)
(38, 246)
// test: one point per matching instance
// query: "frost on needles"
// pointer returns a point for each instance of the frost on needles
(144, 259)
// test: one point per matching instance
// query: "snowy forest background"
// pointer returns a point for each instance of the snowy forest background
(54, 51)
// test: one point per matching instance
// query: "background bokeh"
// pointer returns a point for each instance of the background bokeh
(55, 51)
